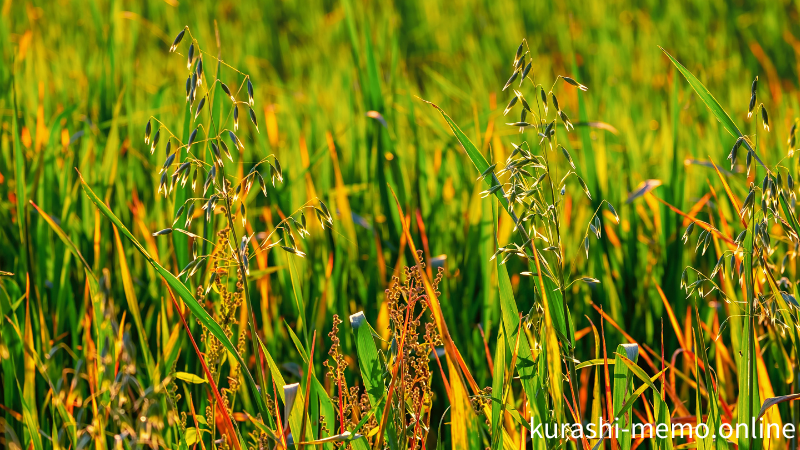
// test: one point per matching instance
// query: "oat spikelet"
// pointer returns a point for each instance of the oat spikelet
(177, 40)
(253, 118)
(190, 57)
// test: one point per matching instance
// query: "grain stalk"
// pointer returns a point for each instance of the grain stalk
(229, 252)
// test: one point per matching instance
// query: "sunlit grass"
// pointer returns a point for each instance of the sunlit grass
(94, 349)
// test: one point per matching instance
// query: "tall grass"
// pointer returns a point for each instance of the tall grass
(103, 345)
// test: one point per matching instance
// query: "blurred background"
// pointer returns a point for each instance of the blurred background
(338, 89)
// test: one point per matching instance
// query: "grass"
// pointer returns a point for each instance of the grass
(102, 344)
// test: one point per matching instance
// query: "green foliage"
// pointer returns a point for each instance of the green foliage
(94, 353)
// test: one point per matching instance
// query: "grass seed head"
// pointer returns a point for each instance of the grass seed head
(227, 91)
(189, 215)
(253, 118)
(190, 56)
(544, 98)
(194, 179)
(510, 105)
(177, 40)
(511, 80)
(210, 179)
(155, 141)
(566, 121)
(192, 138)
(167, 162)
(261, 183)
(199, 107)
(217, 156)
(518, 55)
(163, 232)
(575, 83)
(198, 70)
(147, 130)
(525, 72)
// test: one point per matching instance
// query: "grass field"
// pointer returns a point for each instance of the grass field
(415, 276)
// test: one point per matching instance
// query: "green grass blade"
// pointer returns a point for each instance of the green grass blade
(498, 390)
(371, 373)
(19, 174)
(712, 103)
(133, 306)
(64, 238)
(623, 385)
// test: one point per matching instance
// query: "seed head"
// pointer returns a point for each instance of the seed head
(510, 105)
(328, 216)
(215, 151)
(198, 70)
(163, 232)
(525, 72)
(212, 174)
(275, 172)
(178, 214)
(237, 192)
(261, 183)
(199, 107)
(155, 141)
(177, 40)
(518, 55)
(227, 91)
(225, 149)
(236, 141)
(191, 139)
(520, 62)
(510, 80)
(614, 212)
(253, 118)
(167, 162)
(566, 121)
(575, 83)
(544, 98)
(194, 178)
(250, 92)
(567, 155)
(190, 57)
(189, 215)
(147, 130)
